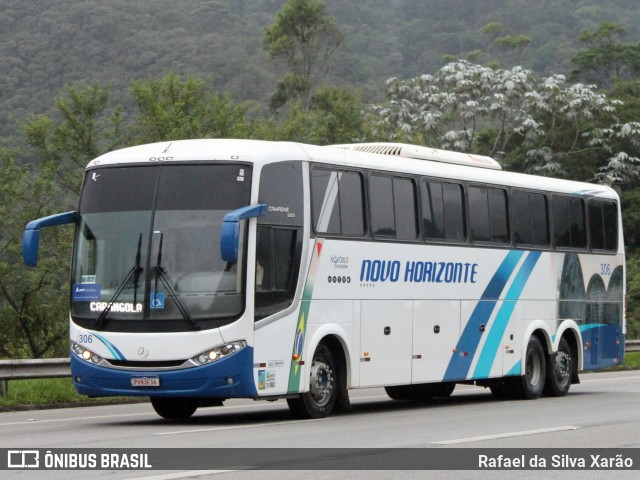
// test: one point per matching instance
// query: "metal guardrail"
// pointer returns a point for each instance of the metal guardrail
(632, 346)
(60, 367)
(27, 369)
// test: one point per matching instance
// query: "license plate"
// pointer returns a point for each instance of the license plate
(146, 381)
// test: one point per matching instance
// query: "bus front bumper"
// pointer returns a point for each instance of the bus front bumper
(230, 377)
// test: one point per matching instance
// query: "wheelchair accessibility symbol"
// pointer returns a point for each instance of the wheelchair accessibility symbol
(157, 301)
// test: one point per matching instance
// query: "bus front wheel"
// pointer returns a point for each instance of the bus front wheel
(174, 408)
(319, 401)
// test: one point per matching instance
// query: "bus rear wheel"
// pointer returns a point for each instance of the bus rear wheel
(174, 408)
(560, 369)
(531, 384)
(319, 401)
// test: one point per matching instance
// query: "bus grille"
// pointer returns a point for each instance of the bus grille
(147, 364)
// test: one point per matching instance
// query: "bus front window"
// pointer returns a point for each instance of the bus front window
(147, 255)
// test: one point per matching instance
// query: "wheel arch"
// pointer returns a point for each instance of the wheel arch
(539, 329)
(568, 329)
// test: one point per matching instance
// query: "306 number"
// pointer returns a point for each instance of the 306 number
(605, 269)
(85, 338)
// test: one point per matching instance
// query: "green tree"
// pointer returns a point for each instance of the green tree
(33, 302)
(606, 59)
(336, 116)
(501, 41)
(171, 108)
(303, 37)
(82, 128)
(499, 47)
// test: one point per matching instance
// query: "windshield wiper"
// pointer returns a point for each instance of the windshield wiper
(133, 275)
(161, 274)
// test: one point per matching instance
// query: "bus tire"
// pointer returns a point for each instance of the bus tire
(530, 385)
(319, 401)
(174, 408)
(560, 370)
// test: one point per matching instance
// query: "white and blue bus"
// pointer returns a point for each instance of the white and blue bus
(205, 270)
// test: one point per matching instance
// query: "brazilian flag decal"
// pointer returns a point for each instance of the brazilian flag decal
(298, 343)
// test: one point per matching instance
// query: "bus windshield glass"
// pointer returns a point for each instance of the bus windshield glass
(147, 250)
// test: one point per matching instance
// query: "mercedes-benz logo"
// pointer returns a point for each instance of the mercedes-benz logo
(143, 352)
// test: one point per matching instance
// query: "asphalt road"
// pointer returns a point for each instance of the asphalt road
(601, 412)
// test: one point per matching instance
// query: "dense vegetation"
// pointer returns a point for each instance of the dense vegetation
(498, 77)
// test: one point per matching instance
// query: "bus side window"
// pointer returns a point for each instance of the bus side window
(569, 226)
(443, 211)
(279, 237)
(530, 219)
(603, 225)
(488, 217)
(337, 202)
(393, 207)
(277, 264)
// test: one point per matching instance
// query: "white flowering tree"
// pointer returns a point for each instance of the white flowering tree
(538, 125)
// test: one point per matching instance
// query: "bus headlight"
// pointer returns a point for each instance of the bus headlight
(219, 352)
(86, 355)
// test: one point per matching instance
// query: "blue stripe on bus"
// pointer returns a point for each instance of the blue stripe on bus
(515, 370)
(492, 344)
(471, 335)
(117, 354)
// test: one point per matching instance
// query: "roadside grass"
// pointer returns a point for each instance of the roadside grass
(51, 393)
(59, 392)
(631, 362)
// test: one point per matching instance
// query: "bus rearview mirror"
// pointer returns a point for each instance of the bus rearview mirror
(31, 235)
(230, 233)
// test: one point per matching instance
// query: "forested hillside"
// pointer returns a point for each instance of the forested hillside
(47, 44)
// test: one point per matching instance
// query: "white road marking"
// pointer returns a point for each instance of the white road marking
(609, 379)
(117, 415)
(504, 435)
(34, 421)
(187, 474)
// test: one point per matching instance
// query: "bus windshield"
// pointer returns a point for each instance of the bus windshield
(147, 251)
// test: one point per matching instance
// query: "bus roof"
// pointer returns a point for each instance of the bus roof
(413, 160)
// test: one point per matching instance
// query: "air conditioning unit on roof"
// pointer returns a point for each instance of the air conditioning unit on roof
(423, 153)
